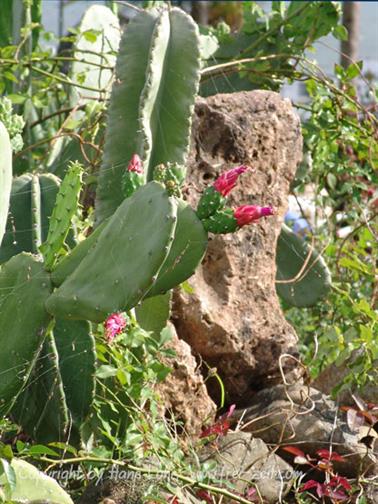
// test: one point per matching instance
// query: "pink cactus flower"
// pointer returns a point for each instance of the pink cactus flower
(135, 164)
(227, 181)
(114, 325)
(246, 214)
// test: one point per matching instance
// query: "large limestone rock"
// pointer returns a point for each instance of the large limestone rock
(233, 318)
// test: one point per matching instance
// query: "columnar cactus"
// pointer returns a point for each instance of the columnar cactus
(187, 250)
(157, 77)
(32, 201)
(66, 205)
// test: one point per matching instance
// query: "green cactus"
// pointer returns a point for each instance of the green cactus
(131, 181)
(76, 353)
(41, 408)
(5, 177)
(121, 268)
(221, 222)
(151, 104)
(71, 261)
(31, 203)
(65, 208)
(313, 282)
(59, 393)
(24, 287)
(13, 123)
(211, 201)
(153, 313)
(166, 174)
(32, 486)
(188, 248)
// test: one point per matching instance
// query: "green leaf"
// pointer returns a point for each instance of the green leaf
(331, 180)
(90, 35)
(40, 449)
(17, 99)
(354, 70)
(340, 32)
(106, 371)
(9, 474)
(153, 314)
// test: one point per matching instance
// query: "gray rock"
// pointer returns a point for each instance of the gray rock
(246, 461)
(304, 417)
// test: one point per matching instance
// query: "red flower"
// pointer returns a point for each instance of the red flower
(135, 164)
(221, 426)
(114, 325)
(246, 214)
(327, 455)
(337, 481)
(227, 181)
(329, 489)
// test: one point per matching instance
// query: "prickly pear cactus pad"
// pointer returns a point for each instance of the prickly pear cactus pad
(41, 407)
(5, 177)
(153, 313)
(157, 77)
(76, 352)
(188, 248)
(71, 261)
(31, 204)
(123, 265)
(314, 280)
(24, 287)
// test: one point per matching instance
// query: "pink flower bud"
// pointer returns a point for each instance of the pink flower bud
(246, 214)
(135, 164)
(227, 181)
(114, 325)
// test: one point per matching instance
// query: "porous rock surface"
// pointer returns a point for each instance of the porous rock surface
(183, 392)
(233, 318)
